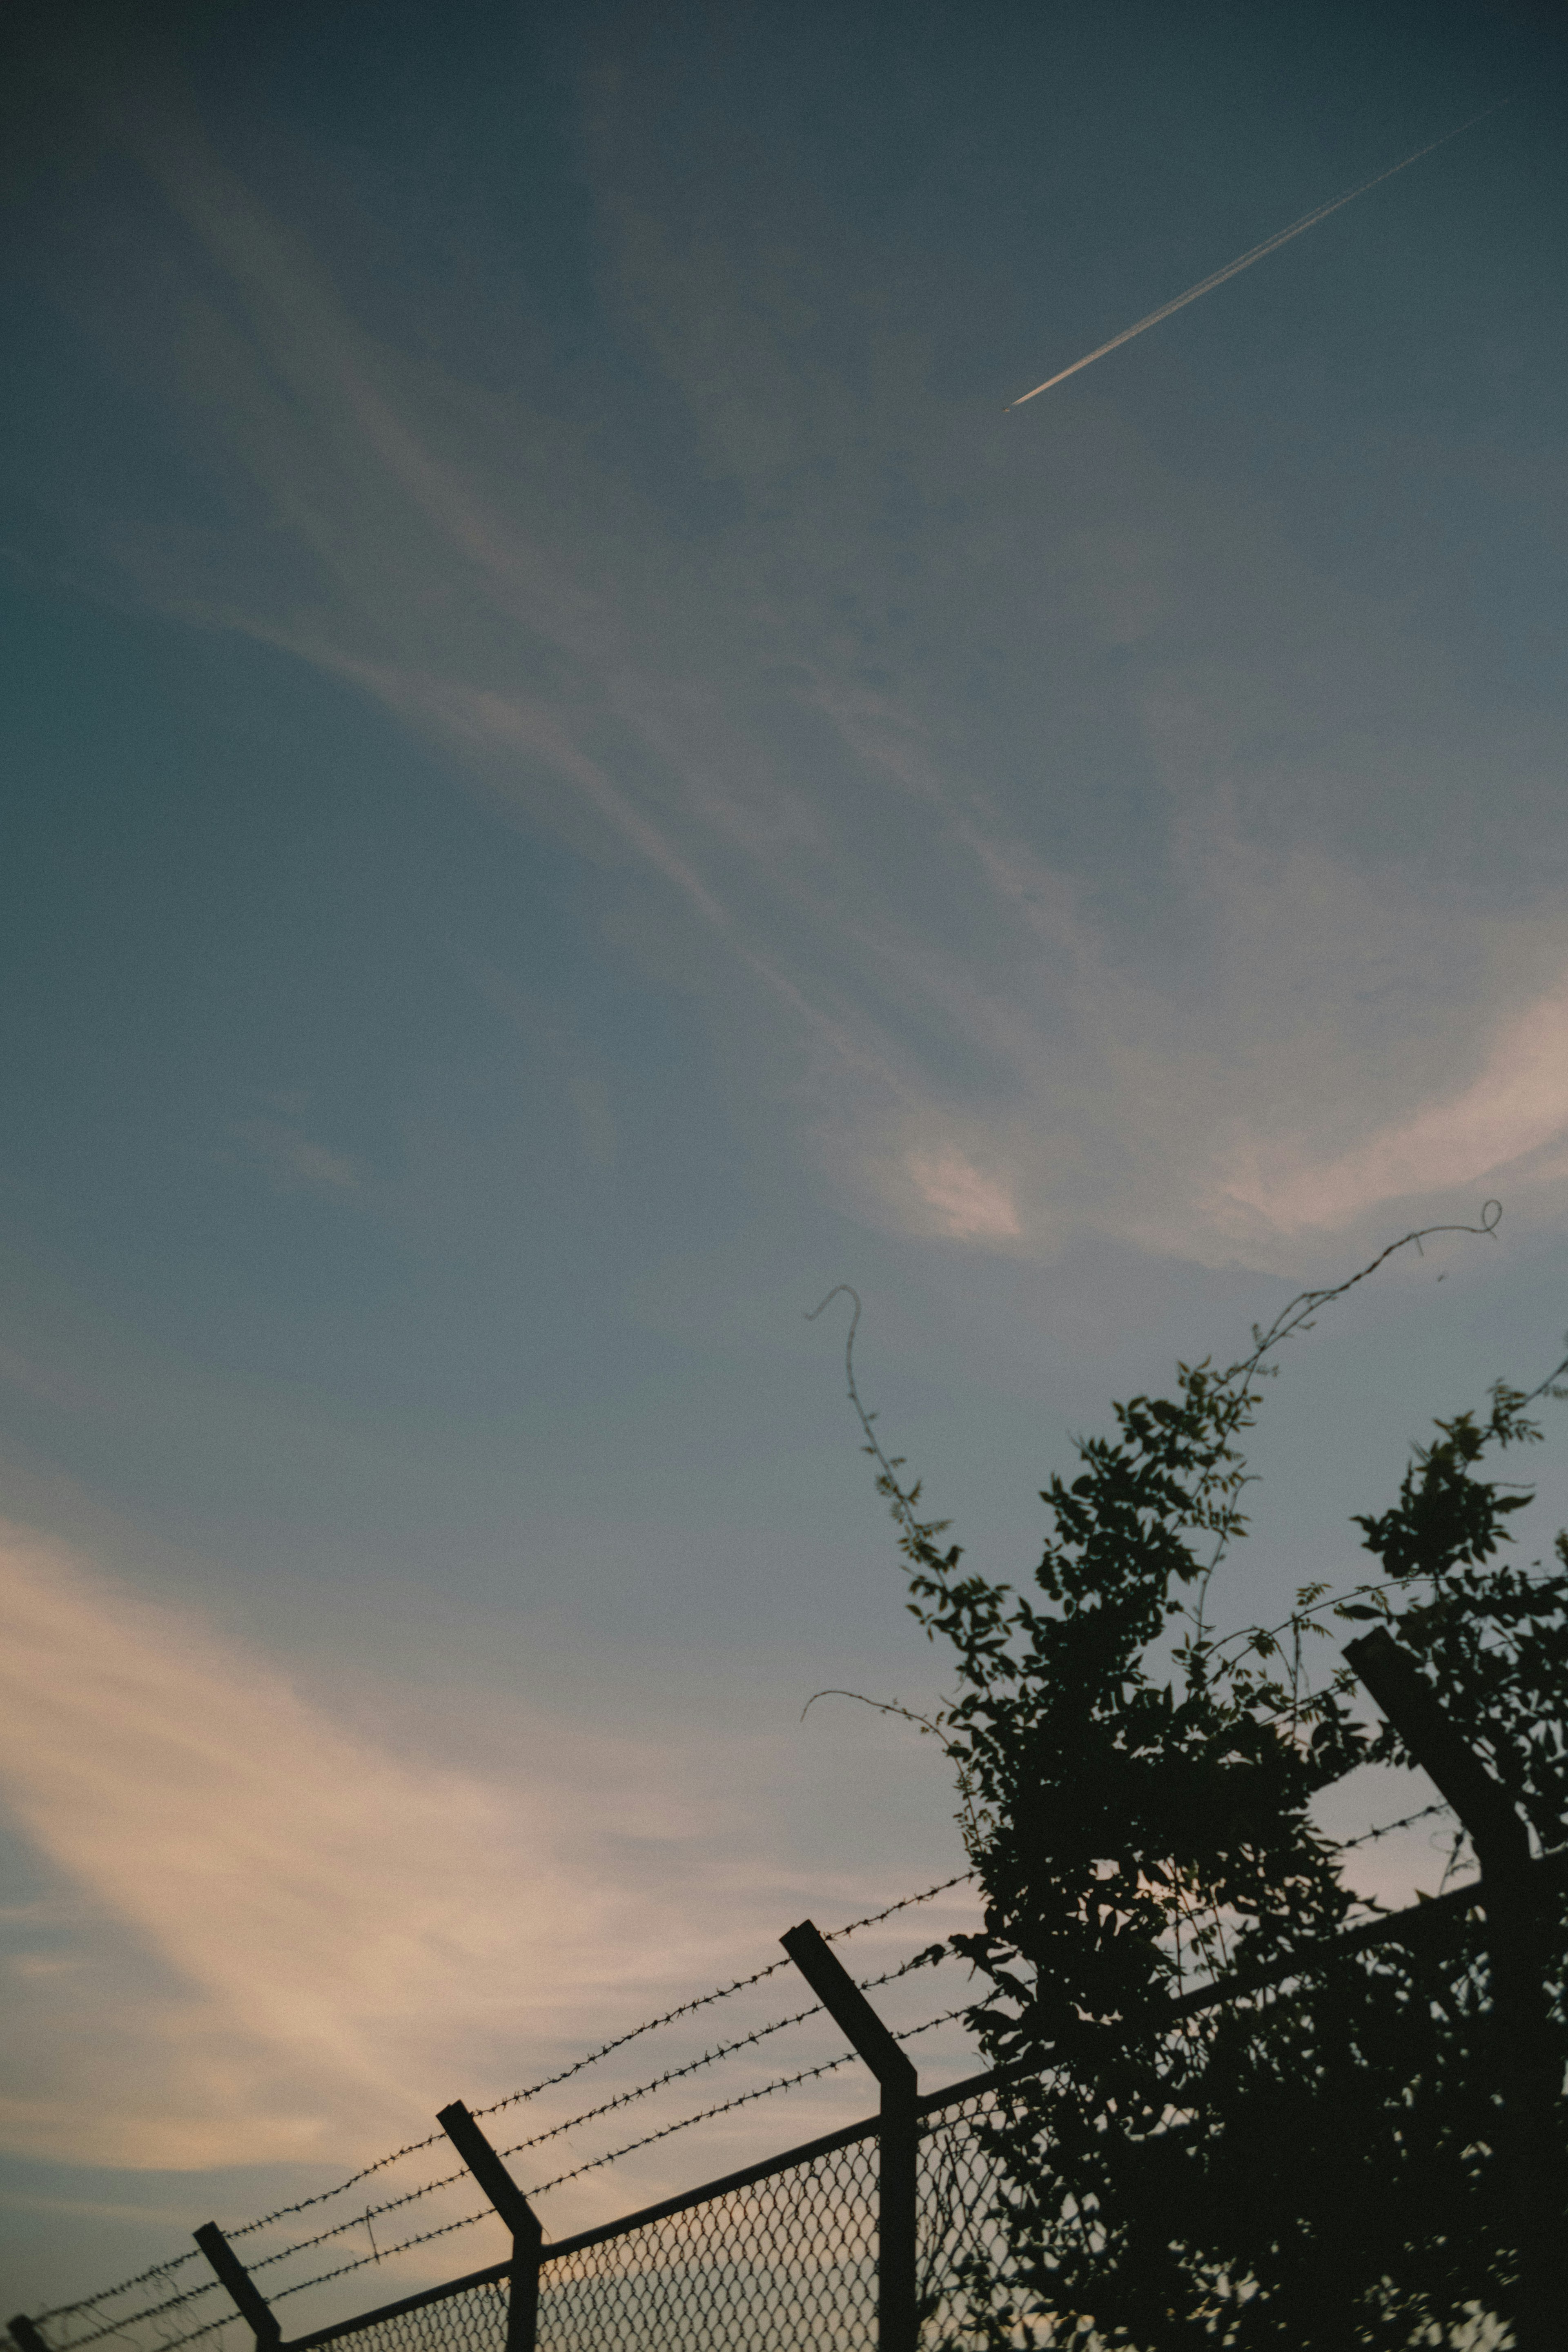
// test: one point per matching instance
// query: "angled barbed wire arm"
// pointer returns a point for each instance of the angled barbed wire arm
(898, 2299)
(527, 2232)
(1528, 2077)
(243, 2291)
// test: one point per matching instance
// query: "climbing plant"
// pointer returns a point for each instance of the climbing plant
(1309, 2163)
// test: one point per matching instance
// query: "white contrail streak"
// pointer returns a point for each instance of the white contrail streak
(1246, 261)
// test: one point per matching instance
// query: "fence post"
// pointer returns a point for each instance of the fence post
(24, 2336)
(527, 2233)
(897, 2317)
(253, 2304)
(1518, 1972)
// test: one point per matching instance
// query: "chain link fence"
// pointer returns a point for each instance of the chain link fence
(770, 2263)
(788, 2254)
(470, 2315)
(784, 2256)
(780, 2258)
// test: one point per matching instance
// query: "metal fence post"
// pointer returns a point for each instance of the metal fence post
(897, 2315)
(1517, 1972)
(527, 2233)
(24, 2336)
(253, 2304)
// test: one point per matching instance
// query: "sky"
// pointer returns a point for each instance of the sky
(575, 778)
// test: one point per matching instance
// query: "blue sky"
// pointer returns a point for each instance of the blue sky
(572, 780)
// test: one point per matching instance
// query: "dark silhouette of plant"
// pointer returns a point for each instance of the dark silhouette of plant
(1307, 2165)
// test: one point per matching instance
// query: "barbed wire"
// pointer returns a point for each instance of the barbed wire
(906, 1902)
(325, 2196)
(486, 2214)
(91, 2302)
(135, 2318)
(931, 1957)
(1367, 1837)
(726, 2050)
(432, 2139)
(707, 1999)
(706, 2115)
(404, 2245)
(167, 2343)
(1348, 1845)
(744, 2099)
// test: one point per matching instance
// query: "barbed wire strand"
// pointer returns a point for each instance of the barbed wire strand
(742, 1984)
(1368, 1837)
(135, 2318)
(744, 2099)
(89, 2302)
(432, 2139)
(930, 1958)
(676, 2073)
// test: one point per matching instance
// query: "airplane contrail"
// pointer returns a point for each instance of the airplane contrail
(1246, 261)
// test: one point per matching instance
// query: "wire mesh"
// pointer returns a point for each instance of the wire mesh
(962, 2244)
(470, 2318)
(773, 2265)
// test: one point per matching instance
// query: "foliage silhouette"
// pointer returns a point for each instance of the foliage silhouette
(1311, 2165)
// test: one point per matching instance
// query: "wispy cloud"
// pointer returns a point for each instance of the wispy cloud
(274, 1915)
(293, 1159)
(307, 1895)
(971, 1030)
(970, 1206)
(1502, 1122)
(281, 1936)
